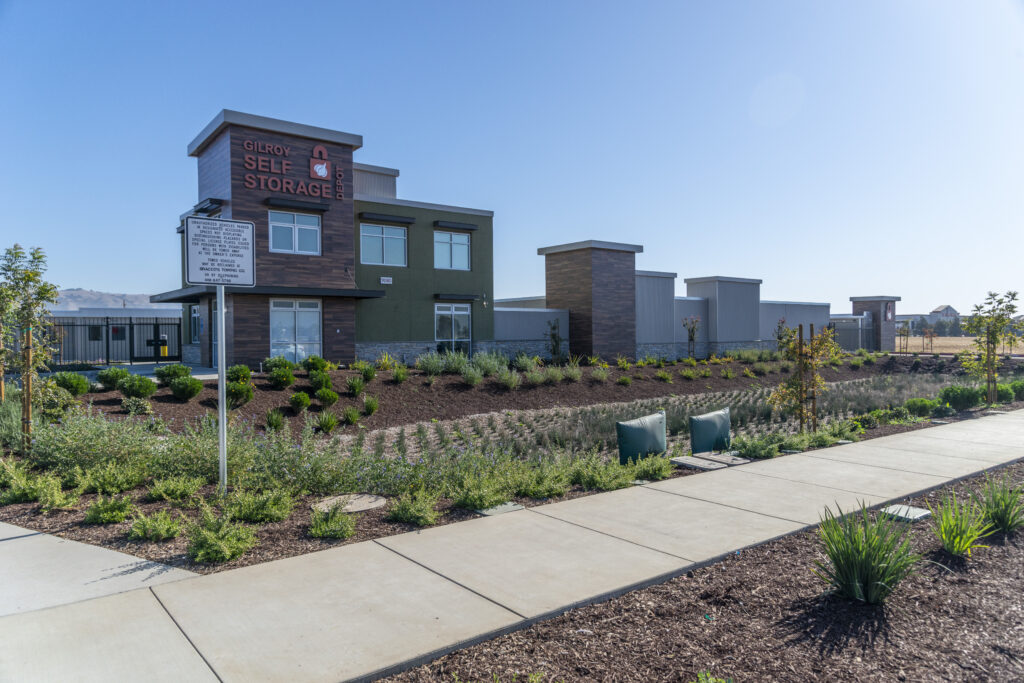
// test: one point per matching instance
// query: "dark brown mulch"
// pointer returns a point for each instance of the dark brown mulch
(761, 615)
(448, 398)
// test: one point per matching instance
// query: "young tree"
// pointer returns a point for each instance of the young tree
(903, 331)
(6, 333)
(782, 334)
(989, 323)
(692, 324)
(797, 394)
(21, 273)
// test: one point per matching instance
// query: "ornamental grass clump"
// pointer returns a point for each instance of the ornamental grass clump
(415, 507)
(599, 374)
(624, 380)
(663, 376)
(332, 523)
(865, 559)
(399, 374)
(959, 526)
(275, 419)
(572, 373)
(259, 508)
(350, 415)
(160, 526)
(326, 422)
(218, 538)
(109, 510)
(368, 373)
(355, 385)
(371, 404)
(1001, 504)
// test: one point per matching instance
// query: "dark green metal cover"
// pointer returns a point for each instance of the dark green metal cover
(710, 432)
(640, 437)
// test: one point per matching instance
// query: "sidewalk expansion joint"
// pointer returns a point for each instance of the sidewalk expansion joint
(605, 533)
(741, 509)
(28, 535)
(182, 631)
(450, 579)
(984, 464)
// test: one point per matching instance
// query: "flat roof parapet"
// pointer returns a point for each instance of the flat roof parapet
(722, 278)
(590, 244)
(370, 168)
(656, 273)
(228, 117)
(875, 298)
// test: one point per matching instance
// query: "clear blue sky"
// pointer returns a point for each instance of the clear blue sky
(832, 149)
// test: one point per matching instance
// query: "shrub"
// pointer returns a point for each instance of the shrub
(688, 374)
(350, 415)
(624, 380)
(727, 373)
(942, 410)
(327, 397)
(489, 363)
(110, 477)
(471, 376)
(136, 406)
(218, 539)
(920, 407)
(168, 373)
(51, 495)
(706, 372)
(385, 361)
(72, 382)
(959, 527)
(540, 480)
(278, 363)
(960, 397)
(553, 375)
(355, 385)
(369, 373)
(479, 492)
(109, 510)
(399, 374)
(186, 388)
(593, 473)
(281, 377)
(370, 405)
(599, 374)
(524, 363)
(259, 508)
(326, 422)
(178, 489)
(869, 360)
(761, 369)
(239, 393)
(534, 377)
(1004, 393)
(275, 420)
(136, 386)
(866, 559)
(312, 363)
(747, 372)
(662, 375)
(238, 373)
(416, 507)
(110, 377)
(856, 363)
(509, 379)
(572, 373)
(653, 468)
(333, 523)
(299, 401)
(430, 363)
(1001, 504)
(454, 362)
(17, 484)
(1018, 389)
(157, 527)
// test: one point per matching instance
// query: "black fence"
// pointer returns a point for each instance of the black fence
(114, 340)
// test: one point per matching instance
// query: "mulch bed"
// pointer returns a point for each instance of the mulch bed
(761, 615)
(448, 398)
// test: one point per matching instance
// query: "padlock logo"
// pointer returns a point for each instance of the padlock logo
(319, 167)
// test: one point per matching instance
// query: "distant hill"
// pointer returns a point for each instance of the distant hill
(74, 299)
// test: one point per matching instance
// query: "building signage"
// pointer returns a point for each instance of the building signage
(219, 252)
(273, 167)
(385, 280)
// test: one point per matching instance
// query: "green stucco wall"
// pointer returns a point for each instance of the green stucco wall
(406, 313)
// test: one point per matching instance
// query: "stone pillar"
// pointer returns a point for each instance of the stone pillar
(883, 315)
(596, 282)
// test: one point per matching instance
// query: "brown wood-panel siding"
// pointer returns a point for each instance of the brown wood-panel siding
(339, 329)
(215, 170)
(614, 296)
(568, 284)
(335, 266)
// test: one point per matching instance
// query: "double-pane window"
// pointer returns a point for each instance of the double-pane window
(451, 250)
(295, 329)
(452, 328)
(294, 233)
(382, 245)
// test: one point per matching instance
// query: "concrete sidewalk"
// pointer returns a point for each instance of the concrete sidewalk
(367, 609)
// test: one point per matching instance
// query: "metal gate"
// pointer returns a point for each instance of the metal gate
(115, 340)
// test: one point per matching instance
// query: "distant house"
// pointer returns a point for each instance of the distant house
(944, 312)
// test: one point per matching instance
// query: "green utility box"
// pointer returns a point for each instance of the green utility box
(640, 437)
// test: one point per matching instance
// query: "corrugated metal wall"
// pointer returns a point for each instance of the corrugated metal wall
(525, 324)
(686, 307)
(795, 314)
(374, 184)
(655, 309)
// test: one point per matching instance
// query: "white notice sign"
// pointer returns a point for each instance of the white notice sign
(219, 252)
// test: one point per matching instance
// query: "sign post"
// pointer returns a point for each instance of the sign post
(220, 252)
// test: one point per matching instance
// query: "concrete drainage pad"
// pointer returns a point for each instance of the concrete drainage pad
(695, 463)
(906, 513)
(351, 502)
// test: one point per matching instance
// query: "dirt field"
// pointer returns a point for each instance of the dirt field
(940, 345)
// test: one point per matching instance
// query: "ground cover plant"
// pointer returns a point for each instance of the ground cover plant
(216, 538)
(332, 523)
(160, 526)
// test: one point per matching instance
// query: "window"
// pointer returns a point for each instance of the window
(451, 250)
(193, 323)
(294, 329)
(95, 333)
(381, 245)
(117, 333)
(294, 233)
(452, 327)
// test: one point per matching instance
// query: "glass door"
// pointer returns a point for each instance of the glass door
(452, 327)
(295, 329)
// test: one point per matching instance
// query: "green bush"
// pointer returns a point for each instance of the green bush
(312, 363)
(51, 495)
(299, 401)
(489, 363)
(160, 526)
(599, 374)
(334, 523)
(524, 363)
(959, 527)
(327, 397)
(350, 415)
(355, 385)
(275, 419)
(278, 363)
(17, 483)
(10, 422)
(239, 373)
(727, 373)
(186, 388)
(594, 474)
(960, 397)
(454, 362)
(572, 373)
(508, 379)
(866, 559)
(110, 477)
(281, 378)
(688, 374)
(540, 480)
(86, 440)
(178, 489)
(1004, 393)
(920, 407)
(136, 386)
(653, 468)
(416, 508)
(369, 373)
(942, 410)
(480, 491)
(471, 376)
(72, 382)
(1018, 389)
(218, 539)
(326, 422)
(110, 377)
(553, 375)
(371, 404)
(136, 406)
(167, 373)
(399, 374)
(1001, 504)
(856, 363)
(109, 510)
(624, 380)
(534, 377)
(756, 447)
(259, 508)
(319, 380)
(430, 363)
(663, 376)
(239, 393)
